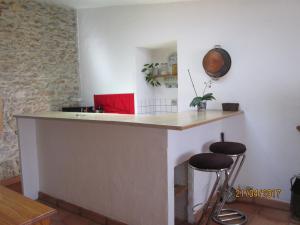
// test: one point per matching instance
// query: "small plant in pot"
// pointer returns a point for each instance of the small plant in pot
(148, 70)
(200, 101)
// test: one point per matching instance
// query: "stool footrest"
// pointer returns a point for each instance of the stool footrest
(228, 214)
(230, 217)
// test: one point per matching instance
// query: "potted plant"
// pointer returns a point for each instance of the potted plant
(149, 71)
(200, 101)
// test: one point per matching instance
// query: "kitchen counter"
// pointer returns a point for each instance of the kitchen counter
(172, 121)
(102, 162)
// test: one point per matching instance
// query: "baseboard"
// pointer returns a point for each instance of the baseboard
(95, 217)
(10, 181)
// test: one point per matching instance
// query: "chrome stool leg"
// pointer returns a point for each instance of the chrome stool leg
(230, 190)
(218, 204)
(226, 216)
(243, 156)
(221, 201)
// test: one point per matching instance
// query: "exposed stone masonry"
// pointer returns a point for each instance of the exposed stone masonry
(38, 67)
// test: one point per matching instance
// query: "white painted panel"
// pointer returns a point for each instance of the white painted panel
(117, 171)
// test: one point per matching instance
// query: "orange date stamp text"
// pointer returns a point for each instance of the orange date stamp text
(260, 193)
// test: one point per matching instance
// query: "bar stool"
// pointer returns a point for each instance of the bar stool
(235, 151)
(211, 162)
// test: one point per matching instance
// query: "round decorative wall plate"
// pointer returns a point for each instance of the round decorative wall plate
(216, 62)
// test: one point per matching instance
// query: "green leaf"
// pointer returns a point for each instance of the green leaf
(156, 64)
(144, 70)
(196, 101)
(146, 65)
(208, 97)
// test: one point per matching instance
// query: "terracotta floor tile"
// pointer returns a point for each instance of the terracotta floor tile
(247, 208)
(57, 223)
(75, 220)
(60, 215)
(250, 218)
(259, 220)
(294, 221)
(113, 222)
(64, 217)
(270, 214)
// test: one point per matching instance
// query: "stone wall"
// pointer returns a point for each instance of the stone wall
(38, 67)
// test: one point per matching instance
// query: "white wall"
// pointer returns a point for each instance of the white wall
(263, 40)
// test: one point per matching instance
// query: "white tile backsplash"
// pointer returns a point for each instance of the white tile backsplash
(157, 106)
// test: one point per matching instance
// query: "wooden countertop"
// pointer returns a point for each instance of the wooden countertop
(16, 209)
(172, 121)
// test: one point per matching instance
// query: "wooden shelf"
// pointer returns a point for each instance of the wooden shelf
(180, 189)
(165, 76)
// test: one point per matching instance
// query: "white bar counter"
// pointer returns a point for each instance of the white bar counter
(120, 166)
(172, 121)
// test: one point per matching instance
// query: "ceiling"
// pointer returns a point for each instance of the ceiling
(78, 4)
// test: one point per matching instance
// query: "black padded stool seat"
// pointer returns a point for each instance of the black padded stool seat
(210, 161)
(228, 148)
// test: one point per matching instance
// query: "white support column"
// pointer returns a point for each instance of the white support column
(28, 157)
